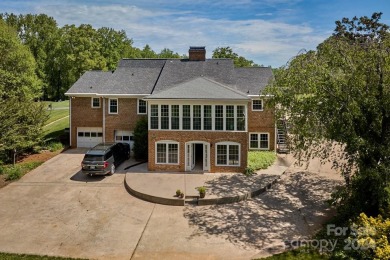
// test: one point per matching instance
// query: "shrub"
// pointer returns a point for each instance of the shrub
(140, 148)
(249, 171)
(55, 146)
(260, 159)
(15, 172)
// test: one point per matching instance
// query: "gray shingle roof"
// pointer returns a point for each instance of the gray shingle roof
(178, 71)
(252, 80)
(147, 76)
(199, 88)
(91, 82)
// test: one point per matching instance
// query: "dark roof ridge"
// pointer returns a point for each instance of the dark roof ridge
(158, 77)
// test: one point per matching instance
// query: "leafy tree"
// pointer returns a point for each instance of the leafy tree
(147, 52)
(141, 139)
(21, 118)
(114, 46)
(227, 53)
(17, 67)
(168, 54)
(337, 101)
(80, 51)
(40, 34)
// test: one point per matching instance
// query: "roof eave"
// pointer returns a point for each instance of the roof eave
(204, 99)
(104, 95)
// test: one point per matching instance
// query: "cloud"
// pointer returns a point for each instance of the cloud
(161, 25)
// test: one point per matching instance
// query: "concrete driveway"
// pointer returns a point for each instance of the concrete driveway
(56, 210)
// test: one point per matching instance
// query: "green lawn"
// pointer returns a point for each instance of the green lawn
(56, 104)
(56, 114)
(56, 129)
(298, 254)
(60, 112)
(7, 256)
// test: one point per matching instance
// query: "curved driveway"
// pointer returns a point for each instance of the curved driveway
(56, 210)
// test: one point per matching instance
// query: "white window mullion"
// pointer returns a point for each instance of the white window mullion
(235, 117)
(180, 117)
(224, 117)
(159, 116)
(191, 117)
(169, 116)
(213, 117)
(201, 117)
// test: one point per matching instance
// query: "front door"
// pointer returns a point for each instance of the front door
(197, 156)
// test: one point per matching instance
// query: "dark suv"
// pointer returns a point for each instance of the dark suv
(104, 158)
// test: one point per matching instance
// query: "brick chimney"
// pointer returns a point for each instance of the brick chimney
(197, 53)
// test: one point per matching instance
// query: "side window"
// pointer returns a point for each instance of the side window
(113, 106)
(141, 107)
(257, 105)
(95, 102)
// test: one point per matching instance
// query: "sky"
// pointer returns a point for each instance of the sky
(269, 32)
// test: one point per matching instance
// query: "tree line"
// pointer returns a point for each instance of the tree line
(63, 54)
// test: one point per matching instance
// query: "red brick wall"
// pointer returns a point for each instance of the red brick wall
(186, 136)
(262, 121)
(126, 118)
(83, 115)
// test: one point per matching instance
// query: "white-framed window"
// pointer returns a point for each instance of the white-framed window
(167, 152)
(240, 123)
(113, 106)
(154, 117)
(186, 117)
(257, 105)
(227, 154)
(175, 117)
(95, 102)
(259, 141)
(197, 117)
(207, 117)
(218, 117)
(141, 107)
(164, 113)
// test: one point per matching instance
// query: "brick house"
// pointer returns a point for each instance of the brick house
(203, 114)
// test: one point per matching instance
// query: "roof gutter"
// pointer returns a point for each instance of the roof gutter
(104, 95)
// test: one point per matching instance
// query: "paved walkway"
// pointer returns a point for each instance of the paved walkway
(221, 188)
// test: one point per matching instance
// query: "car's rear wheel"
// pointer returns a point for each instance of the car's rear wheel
(112, 170)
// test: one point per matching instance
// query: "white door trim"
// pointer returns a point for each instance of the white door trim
(189, 155)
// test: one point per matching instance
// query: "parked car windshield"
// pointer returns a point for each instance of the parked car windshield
(91, 157)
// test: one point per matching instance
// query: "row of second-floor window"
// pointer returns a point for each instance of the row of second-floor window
(198, 117)
(113, 105)
(257, 105)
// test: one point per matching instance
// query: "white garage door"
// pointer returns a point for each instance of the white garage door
(124, 137)
(89, 136)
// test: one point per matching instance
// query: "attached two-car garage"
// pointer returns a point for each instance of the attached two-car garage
(90, 136)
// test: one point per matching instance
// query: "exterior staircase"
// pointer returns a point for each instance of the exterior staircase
(281, 141)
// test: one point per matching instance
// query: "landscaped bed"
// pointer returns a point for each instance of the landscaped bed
(258, 160)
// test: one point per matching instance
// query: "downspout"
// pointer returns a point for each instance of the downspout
(104, 119)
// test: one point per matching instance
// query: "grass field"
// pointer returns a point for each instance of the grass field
(57, 104)
(57, 114)
(60, 112)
